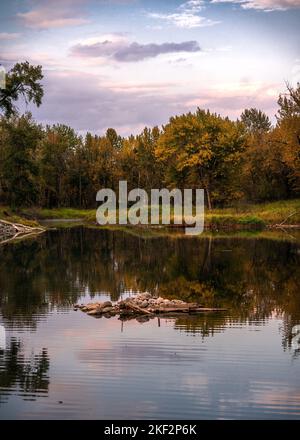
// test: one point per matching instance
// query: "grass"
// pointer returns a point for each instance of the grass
(267, 213)
(13, 217)
(59, 213)
(233, 220)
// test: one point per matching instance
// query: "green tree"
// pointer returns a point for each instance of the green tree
(148, 167)
(19, 168)
(59, 144)
(255, 121)
(23, 80)
(115, 140)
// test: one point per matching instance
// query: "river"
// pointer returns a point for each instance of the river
(58, 363)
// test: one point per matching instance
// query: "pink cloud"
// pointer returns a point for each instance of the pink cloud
(54, 14)
(9, 36)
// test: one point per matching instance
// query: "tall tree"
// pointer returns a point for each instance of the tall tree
(58, 145)
(204, 150)
(23, 80)
(289, 102)
(255, 121)
(115, 140)
(288, 133)
(19, 168)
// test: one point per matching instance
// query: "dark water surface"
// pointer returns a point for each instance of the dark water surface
(58, 363)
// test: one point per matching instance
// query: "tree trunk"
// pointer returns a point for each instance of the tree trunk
(208, 199)
(80, 192)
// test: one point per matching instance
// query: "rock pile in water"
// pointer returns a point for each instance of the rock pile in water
(143, 305)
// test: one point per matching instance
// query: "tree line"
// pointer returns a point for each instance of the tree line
(52, 166)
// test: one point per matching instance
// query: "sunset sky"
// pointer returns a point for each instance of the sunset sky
(130, 63)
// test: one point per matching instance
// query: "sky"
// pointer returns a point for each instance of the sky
(128, 64)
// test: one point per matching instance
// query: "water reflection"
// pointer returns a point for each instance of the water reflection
(2, 338)
(28, 376)
(254, 278)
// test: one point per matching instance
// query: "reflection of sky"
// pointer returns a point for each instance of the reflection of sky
(147, 371)
(2, 337)
(128, 64)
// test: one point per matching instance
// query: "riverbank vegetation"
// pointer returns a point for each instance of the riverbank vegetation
(242, 162)
(8, 215)
(260, 215)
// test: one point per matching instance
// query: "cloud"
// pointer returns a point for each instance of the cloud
(9, 36)
(54, 14)
(186, 16)
(121, 50)
(266, 5)
(184, 20)
(193, 5)
(88, 103)
(231, 99)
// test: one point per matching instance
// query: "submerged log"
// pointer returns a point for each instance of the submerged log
(165, 310)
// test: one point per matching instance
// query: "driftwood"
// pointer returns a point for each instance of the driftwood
(163, 310)
(135, 308)
(291, 215)
(283, 225)
(18, 230)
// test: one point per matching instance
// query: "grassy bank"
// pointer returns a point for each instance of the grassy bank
(87, 215)
(265, 214)
(16, 217)
(240, 217)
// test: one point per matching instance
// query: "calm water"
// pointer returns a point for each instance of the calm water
(58, 363)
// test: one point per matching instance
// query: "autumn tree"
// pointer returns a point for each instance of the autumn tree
(271, 160)
(288, 134)
(289, 102)
(204, 150)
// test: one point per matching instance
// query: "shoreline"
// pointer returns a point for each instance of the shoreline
(274, 216)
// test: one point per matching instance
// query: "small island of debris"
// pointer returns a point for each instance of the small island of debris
(143, 307)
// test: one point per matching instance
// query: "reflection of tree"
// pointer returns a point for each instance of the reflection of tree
(205, 325)
(252, 277)
(28, 375)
